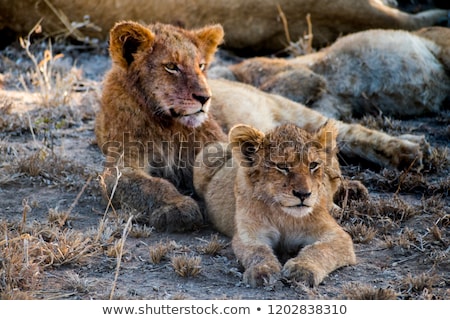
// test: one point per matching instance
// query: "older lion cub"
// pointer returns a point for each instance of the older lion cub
(275, 199)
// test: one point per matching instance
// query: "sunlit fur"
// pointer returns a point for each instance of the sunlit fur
(273, 196)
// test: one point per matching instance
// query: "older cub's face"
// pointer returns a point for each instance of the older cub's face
(168, 66)
(284, 168)
(181, 90)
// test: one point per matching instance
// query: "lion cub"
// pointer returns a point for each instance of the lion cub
(275, 200)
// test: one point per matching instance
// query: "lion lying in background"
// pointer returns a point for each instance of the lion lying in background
(273, 196)
(393, 72)
(251, 25)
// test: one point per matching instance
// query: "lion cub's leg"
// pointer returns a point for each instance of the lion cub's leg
(156, 200)
(256, 255)
(332, 250)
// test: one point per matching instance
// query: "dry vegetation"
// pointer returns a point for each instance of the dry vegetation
(58, 239)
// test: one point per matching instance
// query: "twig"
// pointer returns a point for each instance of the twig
(74, 203)
(285, 23)
(65, 21)
(403, 176)
(125, 232)
(38, 146)
(404, 260)
(310, 35)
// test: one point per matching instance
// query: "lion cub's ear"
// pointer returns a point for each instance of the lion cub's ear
(327, 135)
(248, 140)
(126, 39)
(210, 38)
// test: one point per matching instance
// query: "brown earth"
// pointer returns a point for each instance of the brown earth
(59, 240)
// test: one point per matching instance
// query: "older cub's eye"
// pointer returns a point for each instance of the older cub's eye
(171, 68)
(313, 166)
(202, 66)
(282, 167)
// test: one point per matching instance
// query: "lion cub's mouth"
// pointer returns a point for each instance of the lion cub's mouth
(300, 210)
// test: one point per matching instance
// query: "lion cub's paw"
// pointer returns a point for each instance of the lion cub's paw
(263, 273)
(350, 190)
(295, 270)
(182, 214)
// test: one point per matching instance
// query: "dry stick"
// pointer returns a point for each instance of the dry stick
(74, 203)
(102, 223)
(65, 21)
(310, 36)
(119, 255)
(32, 132)
(403, 177)
(285, 23)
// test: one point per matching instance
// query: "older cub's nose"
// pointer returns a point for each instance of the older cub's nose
(301, 195)
(201, 99)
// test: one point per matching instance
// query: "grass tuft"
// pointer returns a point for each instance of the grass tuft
(358, 291)
(186, 266)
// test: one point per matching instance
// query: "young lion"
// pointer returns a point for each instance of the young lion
(155, 118)
(274, 198)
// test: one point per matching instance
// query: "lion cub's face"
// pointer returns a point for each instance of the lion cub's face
(166, 67)
(285, 168)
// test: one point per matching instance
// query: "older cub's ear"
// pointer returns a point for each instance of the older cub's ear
(248, 140)
(209, 39)
(126, 39)
(327, 135)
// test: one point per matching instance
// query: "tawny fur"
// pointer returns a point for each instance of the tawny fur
(151, 132)
(249, 25)
(273, 197)
(396, 73)
(155, 118)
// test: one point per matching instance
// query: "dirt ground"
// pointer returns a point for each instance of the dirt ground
(60, 240)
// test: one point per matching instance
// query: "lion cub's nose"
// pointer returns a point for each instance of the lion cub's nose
(301, 195)
(201, 99)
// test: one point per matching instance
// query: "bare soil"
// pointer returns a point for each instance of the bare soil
(59, 240)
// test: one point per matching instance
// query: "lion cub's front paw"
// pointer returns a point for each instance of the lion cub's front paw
(181, 214)
(263, 273)
(299, 272)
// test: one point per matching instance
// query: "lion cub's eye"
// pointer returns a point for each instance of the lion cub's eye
(282, 167)
(313, 166)
(171, 68)
(202, 66)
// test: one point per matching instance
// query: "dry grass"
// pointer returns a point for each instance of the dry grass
(302, 46)
(358, 291)
(54, 86)
(213, 246)
(186, 266)
(361, 233)
(419, 286)
(159, 251)
(140, 231)
(27, 251)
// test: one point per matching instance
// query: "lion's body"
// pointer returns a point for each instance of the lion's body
(397, 73)
(273, 197)
(155, 117)
(249, 25)
(153, 134)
